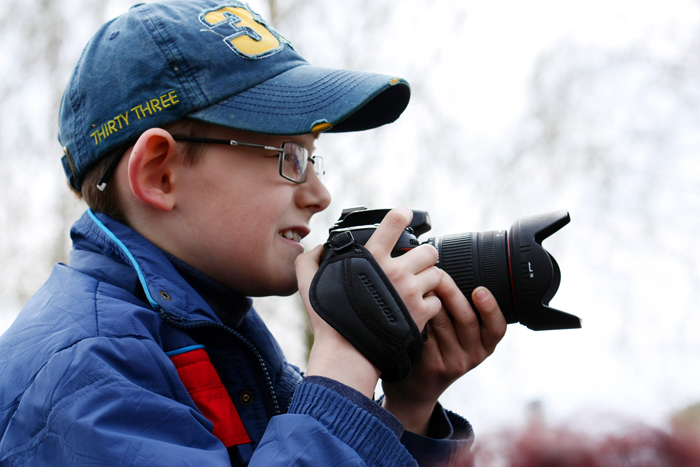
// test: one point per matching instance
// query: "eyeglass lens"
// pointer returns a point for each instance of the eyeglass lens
(294, 161)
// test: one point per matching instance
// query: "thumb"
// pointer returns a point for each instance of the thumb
(306, 266)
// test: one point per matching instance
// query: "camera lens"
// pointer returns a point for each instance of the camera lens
(522, 276)
(479, 258)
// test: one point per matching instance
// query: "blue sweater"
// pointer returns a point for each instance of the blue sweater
(85, 378)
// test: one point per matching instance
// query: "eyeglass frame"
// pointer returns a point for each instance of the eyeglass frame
(102, 183)
(231, 142)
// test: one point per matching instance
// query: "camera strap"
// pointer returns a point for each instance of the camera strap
(352, 294)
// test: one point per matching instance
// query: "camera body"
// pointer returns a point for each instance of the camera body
(512, 264)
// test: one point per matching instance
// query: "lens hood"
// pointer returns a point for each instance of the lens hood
(535, 274)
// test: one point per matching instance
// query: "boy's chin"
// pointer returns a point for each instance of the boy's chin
(280, 290)
(291, 289)
(289, 292)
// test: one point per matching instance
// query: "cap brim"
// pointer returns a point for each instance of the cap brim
(308, 99)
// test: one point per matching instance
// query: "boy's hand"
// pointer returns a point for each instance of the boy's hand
(456, 343)
(452, 349)
(413, 275)
(331, 354)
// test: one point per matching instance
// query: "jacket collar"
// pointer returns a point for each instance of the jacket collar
(115, 253)
(231, 307)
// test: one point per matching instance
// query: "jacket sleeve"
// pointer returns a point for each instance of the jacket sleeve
(106, 402)
(326, 425)
(448, 442)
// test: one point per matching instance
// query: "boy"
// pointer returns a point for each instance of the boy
(188, 127)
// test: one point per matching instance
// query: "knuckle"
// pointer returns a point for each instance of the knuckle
(431, 252)
(433, 276)
(463, 366)
(501, 331)
(453, 294)
(441, 321)
(393, 273)
(469, 320)
(434, 307)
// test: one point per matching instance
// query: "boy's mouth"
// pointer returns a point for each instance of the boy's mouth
(291, 235)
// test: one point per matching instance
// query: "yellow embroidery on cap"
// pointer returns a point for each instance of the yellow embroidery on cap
(153, 106)
(319, 127)
(394, 81)
(121, 121)
(251, 38)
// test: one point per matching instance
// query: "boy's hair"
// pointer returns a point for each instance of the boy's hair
(106, 201)
(215, 61)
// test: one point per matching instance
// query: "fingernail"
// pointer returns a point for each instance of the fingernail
(480, 294)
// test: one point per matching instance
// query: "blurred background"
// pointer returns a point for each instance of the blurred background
(517, 108)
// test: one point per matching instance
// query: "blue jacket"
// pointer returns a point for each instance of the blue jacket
(86, 378)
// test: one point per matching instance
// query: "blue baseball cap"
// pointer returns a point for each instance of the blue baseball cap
(210, 60)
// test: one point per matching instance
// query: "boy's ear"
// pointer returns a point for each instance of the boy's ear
(152, 167)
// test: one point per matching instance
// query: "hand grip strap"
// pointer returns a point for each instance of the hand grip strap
(353, 295)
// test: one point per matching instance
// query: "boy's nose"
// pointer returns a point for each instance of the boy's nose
(313, 194)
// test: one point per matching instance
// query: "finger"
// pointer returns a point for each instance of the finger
(420, 258)
(456, 355)
(306, 265)
(416, 292)
(430, 307)
(433, 305)
(458, 306)
(443, 332)
(426, 281)
(387, 234)
(309, 259)
(493, 322)
(467, 331)
(432, 346)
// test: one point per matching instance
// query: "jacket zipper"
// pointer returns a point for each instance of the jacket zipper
(177, 322)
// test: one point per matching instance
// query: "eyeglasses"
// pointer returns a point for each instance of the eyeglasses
(294, 158)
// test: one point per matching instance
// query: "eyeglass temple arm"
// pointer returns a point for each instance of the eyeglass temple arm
(230, 142)
(102, 182)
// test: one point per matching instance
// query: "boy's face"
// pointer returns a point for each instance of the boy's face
(241, 222)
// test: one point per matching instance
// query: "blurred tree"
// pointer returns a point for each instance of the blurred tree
(608, 132)
(40, 46)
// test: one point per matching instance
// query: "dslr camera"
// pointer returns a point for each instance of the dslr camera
(512, 264)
